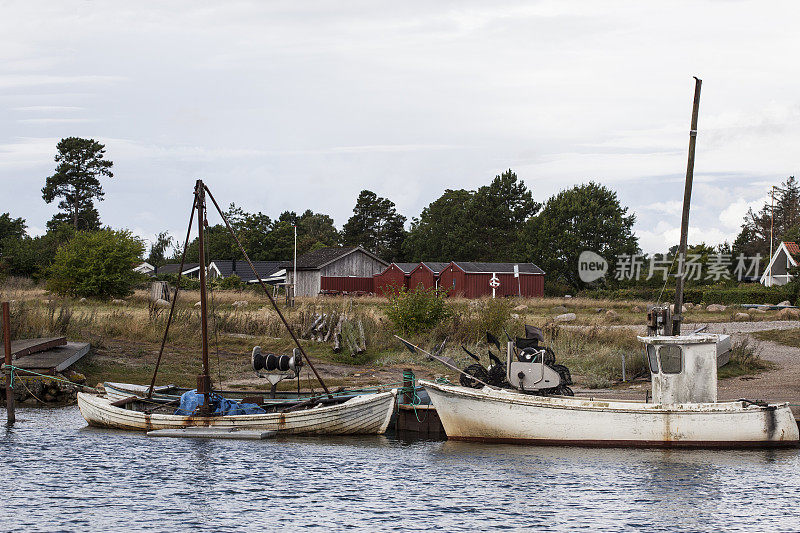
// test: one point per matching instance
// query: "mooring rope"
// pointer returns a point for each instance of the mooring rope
(409, 377)
(53, 378)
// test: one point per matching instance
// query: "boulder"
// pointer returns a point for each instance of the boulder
(197, 304)
(638, 308)
(785, 303)
(741, 316)
(789, 313)
(565, 317)
(762, 311)
(82, 300)
(520, 307)
(515, 316)
(118, 301)
(161, 303)
(672, 308)
(612, 315)
(560, 309)
(715, 308)
(240, 303)
(75, 377)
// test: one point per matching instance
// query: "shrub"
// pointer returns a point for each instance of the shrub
(232, 282)
(417, 310)
(97, 264)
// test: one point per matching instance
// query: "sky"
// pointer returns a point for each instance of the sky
(301, 105)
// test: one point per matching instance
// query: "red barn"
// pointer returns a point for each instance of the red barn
(426, 274)
(395, 275)
(472, 280)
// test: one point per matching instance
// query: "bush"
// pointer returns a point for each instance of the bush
(232, 282)
(743, 294)
(417, 310)
(97, 264)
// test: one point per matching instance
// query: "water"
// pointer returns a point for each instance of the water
(62, 476)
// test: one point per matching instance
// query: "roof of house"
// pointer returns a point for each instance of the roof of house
(172, 268)
(497, 268)
(435, 266)
(406, 267)
(265, 269)
(793, 248)
(317, 259)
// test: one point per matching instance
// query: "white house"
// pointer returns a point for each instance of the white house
(777, 272)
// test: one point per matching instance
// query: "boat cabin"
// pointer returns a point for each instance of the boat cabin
(683, 368)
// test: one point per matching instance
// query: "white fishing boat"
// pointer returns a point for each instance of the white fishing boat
(684, 411)
(365, 414)
(151, 408)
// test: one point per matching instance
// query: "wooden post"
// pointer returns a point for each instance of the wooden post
(408, 386)
(677, 316)
(204, 379)
(7, 345)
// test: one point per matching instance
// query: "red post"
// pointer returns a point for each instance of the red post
(7, 345)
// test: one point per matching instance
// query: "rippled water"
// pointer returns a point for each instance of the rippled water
(61, 475)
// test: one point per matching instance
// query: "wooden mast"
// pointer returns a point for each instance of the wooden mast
(677, 316)
(204, 379)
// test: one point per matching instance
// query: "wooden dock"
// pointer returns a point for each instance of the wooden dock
(418, 421)
(49, 355)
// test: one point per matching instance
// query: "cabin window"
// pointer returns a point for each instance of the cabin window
(671, 359)
(651, 358)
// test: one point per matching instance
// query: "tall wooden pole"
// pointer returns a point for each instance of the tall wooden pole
(677, 316)
(204, 379)
(771, 226)
(7, 346)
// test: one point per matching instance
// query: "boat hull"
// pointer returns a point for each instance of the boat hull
(491, 415)
(367, 414)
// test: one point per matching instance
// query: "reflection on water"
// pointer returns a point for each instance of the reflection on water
(62, 475)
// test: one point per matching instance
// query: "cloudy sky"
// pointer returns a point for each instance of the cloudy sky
(300, 105)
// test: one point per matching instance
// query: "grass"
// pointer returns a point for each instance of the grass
(126, 336)
(787, 337)
(745, 361)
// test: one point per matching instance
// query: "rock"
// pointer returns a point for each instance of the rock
(612, 315)
(240, 303)
(762, 311)
(672, 308)
(785, 303)
(82, 300)
(688, 305)
(161, 303)
(715, 308)
(197, 304)
(560, 309)
(639, 308)
(789, 313)
(741, 316)
(520, 307)
(75, 377)
(566, 317)
(117, 301)
(514, 316)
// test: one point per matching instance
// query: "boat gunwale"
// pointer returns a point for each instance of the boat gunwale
(732, 406)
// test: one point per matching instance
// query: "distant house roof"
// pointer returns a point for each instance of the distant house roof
(406, 267)
(172, 268)
(265, 269)
(794, 250)
(317, 259)
(144, 268)
(435, 266)
(498, 268)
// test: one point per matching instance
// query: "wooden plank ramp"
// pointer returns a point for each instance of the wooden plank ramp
(56, 359)
(214, 433)
(23, 347)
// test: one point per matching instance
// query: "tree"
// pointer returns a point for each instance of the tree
(441, 233)
(754, 237)
(97, 264)
(80, 164)
(585, 217)
(377, 226)
(158, 250)
(497, 214)
(11, 227)
(32, 256)
(315, 230)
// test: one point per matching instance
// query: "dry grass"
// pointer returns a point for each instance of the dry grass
(126, 336)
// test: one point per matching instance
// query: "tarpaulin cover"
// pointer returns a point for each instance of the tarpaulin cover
(191, 400)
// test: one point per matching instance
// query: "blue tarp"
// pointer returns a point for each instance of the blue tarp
(191, 400)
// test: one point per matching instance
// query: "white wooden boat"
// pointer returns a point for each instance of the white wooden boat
(366, 414)
(498, 415)
(684, 411)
